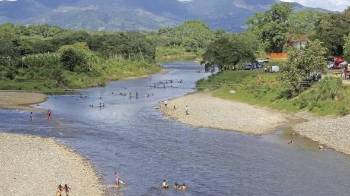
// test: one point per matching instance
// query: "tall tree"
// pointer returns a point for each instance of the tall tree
(272, 26)
(227, 52)
(331, 30)
(301, 64)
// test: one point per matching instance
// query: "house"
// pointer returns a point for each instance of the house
(297, 41)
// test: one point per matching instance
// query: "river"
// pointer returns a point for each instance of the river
(131, 136)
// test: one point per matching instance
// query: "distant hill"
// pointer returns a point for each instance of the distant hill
(132, 14)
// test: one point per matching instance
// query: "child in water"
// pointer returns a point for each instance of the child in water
(165, 184)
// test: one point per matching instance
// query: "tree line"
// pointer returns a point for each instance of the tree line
(62, 57)
(273, 31)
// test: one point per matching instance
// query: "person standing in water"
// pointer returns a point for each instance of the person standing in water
(165, 184)
(118, 181)
(31, 116)
(49, 115)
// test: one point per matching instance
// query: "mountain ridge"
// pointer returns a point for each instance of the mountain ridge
(130, 15)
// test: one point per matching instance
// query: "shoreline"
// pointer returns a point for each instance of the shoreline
(332, 132)
(20, 99)
(16, 99)
(208, 111)
(212, 112)
(32, 164)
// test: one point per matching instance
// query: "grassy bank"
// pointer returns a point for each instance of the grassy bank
(166, 54)
(328, 97)
(49, 81)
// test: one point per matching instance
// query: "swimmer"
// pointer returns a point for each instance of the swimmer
(176, 186)
(183, 187)
(165, 184)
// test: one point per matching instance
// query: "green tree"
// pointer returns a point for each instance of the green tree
(331, 29)
(301, 65)
(272, 26)
(192, 35)
(227, 52)
(71, 58)
(347, 48)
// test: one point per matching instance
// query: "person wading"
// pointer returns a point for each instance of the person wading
(49, 115)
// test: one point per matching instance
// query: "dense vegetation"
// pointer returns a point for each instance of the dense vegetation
(297, 86)
(46, 58)
(186, 41)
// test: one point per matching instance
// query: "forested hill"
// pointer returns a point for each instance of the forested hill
(131, 14)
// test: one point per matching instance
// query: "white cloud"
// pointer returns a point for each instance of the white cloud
(335, 5)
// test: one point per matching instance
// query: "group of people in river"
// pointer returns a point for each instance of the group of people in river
(176, 186)
(63, 190)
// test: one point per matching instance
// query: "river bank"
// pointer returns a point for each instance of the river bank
(332, 132)
(20, 100)
(36, 166)
(208, 111)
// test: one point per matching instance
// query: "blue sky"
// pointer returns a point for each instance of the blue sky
(335, 5)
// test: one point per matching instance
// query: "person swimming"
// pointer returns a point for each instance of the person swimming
(176, 186)
(183, 187)
(165, 184)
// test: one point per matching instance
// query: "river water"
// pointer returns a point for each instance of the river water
(132, 137)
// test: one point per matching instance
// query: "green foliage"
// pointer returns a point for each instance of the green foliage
(331, 29)
(328, 97)
(304, 22)
(192, 35)
(46, 58)
(301, 64)
(272, 26)
(72, 58)
(347, 48)
(166, 54)
(227, 52)
(126, 45)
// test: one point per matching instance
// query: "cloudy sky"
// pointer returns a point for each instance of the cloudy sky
(336, 5)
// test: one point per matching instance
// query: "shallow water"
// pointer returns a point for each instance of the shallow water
(132, 137)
